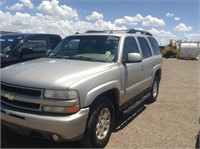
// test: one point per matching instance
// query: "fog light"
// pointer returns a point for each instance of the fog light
(54, 109)
(55, 137)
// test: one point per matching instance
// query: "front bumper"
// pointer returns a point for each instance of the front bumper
(66, 127)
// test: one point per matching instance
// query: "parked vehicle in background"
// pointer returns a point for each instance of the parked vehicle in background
(77, 91)
(17, 48)
(171, 50)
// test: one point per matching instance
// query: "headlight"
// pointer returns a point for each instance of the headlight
(57, 94)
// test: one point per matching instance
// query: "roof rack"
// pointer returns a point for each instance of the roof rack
(94, 31)
(139, 31)
(132, 31)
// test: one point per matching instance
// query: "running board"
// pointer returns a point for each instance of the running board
(136, 104)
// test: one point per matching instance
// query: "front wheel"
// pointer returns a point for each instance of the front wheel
(100, 124)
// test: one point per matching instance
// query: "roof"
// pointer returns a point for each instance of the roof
(115, 32)
(25, 34)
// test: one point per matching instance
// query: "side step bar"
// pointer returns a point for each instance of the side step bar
(136, 104)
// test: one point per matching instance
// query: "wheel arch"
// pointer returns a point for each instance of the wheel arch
(114, 96)
(157, 72)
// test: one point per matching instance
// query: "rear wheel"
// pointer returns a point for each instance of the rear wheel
(154, 90)
(100, 124)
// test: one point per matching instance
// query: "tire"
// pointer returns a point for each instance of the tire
(100, 124)
(198, 141)
(154, 90)
(168, 54)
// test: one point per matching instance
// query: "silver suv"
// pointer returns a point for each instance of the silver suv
(77, 91)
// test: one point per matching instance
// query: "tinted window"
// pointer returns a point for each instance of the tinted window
(146, 52)
(154, 45)
(130, 46)
(34, 45)
(54, 40)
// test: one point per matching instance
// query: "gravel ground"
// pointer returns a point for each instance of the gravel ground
(171, 122)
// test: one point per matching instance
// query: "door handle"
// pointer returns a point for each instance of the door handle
(153, 63)
(141, 67)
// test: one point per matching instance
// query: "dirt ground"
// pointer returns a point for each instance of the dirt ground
(171, 122)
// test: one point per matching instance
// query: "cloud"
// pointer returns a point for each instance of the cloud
(182, 27)
(161, 33)
(169, 14)
(27, 3)
(129, 20)
(20, 6)
(40, 23)
(16, 6)
(52, 8)
(163, 37)
(103, 25)
(1, 3)
(192, 36)
(176, 18)
(152, 21)
(94, 16)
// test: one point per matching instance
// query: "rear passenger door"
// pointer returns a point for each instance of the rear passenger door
(147, 62)
(34, 47)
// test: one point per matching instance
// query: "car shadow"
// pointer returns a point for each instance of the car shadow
(197, 146)
(124, 119)
(10, 139)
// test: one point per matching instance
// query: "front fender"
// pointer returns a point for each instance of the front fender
(95, 92)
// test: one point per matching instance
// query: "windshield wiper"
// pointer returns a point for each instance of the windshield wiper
(85, 58)
(57, 56)
(76, 58)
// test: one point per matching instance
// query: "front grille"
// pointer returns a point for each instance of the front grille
(21, 90)
(20, 104)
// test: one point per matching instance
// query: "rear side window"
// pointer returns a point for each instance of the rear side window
(154, 45)
(54, 40)
(130, 46)
(146, 52)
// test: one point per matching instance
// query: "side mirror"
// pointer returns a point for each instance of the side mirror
(48, 52)
(134, 57)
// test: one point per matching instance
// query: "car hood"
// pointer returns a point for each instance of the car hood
(50, 73)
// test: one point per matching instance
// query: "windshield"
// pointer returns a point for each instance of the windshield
(89, 48)
(8, 42)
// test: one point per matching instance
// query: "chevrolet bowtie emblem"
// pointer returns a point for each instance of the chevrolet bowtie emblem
(9, 96)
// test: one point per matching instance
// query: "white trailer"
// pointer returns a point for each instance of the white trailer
(189, 50)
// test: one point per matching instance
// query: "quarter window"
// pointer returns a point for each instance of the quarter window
(154, 45)
(146, 52)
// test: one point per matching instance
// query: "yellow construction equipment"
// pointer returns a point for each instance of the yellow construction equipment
(171, 50)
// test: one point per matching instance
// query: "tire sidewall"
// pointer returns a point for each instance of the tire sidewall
(152, 98)
(156, 79)
(94, 141)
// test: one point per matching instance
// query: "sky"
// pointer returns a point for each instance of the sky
(165, 19)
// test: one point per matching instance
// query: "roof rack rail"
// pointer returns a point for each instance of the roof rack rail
(133, 31)
(140, 31)
(95, 31)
